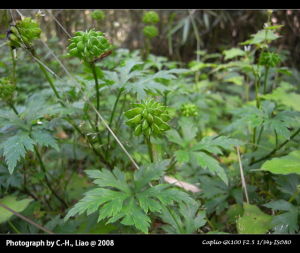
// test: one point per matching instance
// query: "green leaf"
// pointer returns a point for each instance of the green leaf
(284, 95)
(213, 144)
(182, 156)
(232, 53)
(281, 205)
(116, 199)
(15, 147)
(185, 220)
(43, 138)
(261, 36)
(147, 174)
(106, 178)
(284, 165)
(254, 221)
(14, 204)
(207, 162)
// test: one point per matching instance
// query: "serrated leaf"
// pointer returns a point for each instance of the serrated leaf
(15, 148)
(106, 178)
(284, 165)
(212, 144)
(182, 156)
(14, 204)
(145, 175)
(261, 36)
(207, 162)
(232, 53)
(254, 221)
(43, 138)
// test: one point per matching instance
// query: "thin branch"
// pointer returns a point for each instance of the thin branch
(242, 174)
(26, 219)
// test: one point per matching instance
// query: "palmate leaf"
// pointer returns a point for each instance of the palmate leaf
(284, 95)
(150, 83)
(116, 199)
(286, 222)
(213, 144)
(15, 148)
(43, 138)
(232, 53)
(210, 144)
(186, 220)
(208, 162)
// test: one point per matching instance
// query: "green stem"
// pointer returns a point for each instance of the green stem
(112, 116)
(275, 149)
(266, 79)
(276, 138)
(150, 150)
(93, 67)
(13, 227)
(46, 178)
(13, 108)
(45, 72)
(259, 137)
(14, 66)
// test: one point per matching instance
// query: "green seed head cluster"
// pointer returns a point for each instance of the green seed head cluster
(7, 89)
(150, 31)
(24, 32)
(150, 17)
(189, 110)
(148, 118)
(269, 59)
(88, 45)
(98, 15)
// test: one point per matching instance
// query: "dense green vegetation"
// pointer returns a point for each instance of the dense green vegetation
(101, 139)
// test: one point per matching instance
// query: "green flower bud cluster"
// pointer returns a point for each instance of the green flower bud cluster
(98, 15)
(25, 31)
(269, 59)
(7, 89)
(150, 17)
(150, 31)
(148, 118)
(88, 45)
(189, 110)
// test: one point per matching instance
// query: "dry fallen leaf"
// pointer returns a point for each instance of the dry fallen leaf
(182, 184)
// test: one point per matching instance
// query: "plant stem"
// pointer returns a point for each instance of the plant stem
(93, 67)
(45, 72)
(275, 149)
(13, 227)
(266, 79)
(14, 66)
(25, 218)
(112, 116)
(150, 150)
(46, 178)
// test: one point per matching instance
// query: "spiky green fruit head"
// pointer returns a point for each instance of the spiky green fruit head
(150, 31)
(7, 89)
(98, 15)
(24, 32)
(269, 59)
(148, 118)
(89, 45)
(151, 17)
(189, 110)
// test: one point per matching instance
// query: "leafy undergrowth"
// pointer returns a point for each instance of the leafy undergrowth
(95, 150)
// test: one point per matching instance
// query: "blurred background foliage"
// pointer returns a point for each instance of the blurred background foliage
(181, 32)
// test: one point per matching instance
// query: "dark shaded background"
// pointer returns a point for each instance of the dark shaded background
(211, 30)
